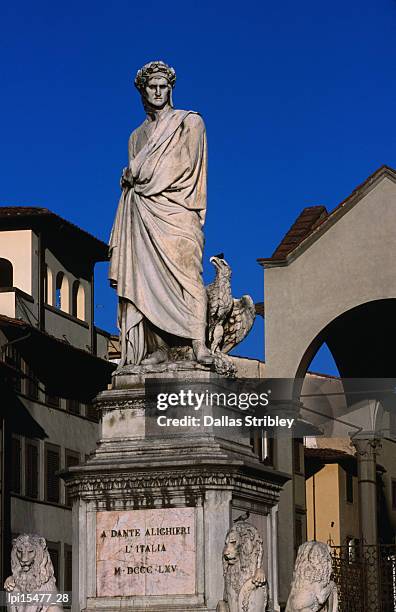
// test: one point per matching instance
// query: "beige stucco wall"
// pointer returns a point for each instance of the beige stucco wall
(326, 486)
(349, 511)
(329, 485)
(53, 523)
(7, 304)
(65, 429)
(352, 263)
(67, 329)
(102, 344)
(248, 368)
(17, 247)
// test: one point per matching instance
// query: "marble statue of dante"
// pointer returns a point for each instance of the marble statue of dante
(157, 240)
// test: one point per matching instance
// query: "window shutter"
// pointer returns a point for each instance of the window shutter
(52, 480)
(32, 470)
(68, 569)
(91, 413)
(51, 399)
(299, 531)
(32, 386)
(73, 406)
(13, 359)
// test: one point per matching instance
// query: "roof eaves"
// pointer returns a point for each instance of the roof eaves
(15, 212)
(331, 218)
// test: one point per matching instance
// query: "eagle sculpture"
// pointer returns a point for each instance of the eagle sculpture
(229, 320)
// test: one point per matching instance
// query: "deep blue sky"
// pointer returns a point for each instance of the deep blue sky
(298, 100)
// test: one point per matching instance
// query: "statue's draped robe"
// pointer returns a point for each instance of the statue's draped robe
(157, 240)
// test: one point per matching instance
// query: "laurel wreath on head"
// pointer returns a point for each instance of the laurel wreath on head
(154, 68)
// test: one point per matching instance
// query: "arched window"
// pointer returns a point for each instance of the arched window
(58, 296)
(62, 292)
(78, 300)
(6, 273)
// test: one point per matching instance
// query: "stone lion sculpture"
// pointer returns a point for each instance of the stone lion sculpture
(312, 590)
(245, 584)
(32, 572)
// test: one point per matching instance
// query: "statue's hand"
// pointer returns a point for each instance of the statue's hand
(126, 180)
(259, 579)
(9, 584)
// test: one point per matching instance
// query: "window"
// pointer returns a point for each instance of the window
(62, 292)
(58, 287)
(13, 359)
(263, 446)
(52, 466)
(32, 383)
(6, 273)
(67, 582)
(16, 465)
(32, 469)
(51, 399)
(349, 487)
(73, 406)
(91, 412)
(299, 528)
(72, 458)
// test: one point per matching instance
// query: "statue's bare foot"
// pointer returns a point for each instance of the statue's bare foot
(159, 356)
(202, 353)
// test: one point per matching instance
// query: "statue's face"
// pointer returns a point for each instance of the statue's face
(26, 554)
(231, 547)
(157, 91)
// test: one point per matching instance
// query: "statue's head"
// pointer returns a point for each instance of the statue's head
(30, 561)
(155, 82)
(243, 546)
(313, 563)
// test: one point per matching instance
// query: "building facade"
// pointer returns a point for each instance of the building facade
(331, 280)
(53, 362)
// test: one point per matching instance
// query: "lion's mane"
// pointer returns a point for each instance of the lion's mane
(41, 571)
(313, 564)
(250, 554)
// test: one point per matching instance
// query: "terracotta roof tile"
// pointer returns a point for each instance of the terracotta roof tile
(305, 223)
(327, 454)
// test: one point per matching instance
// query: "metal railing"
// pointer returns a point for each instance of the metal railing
(365, 576)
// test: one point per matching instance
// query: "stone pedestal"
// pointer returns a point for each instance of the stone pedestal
(150, 514)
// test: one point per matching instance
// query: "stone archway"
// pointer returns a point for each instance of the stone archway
(360, 341)
(332, 279)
